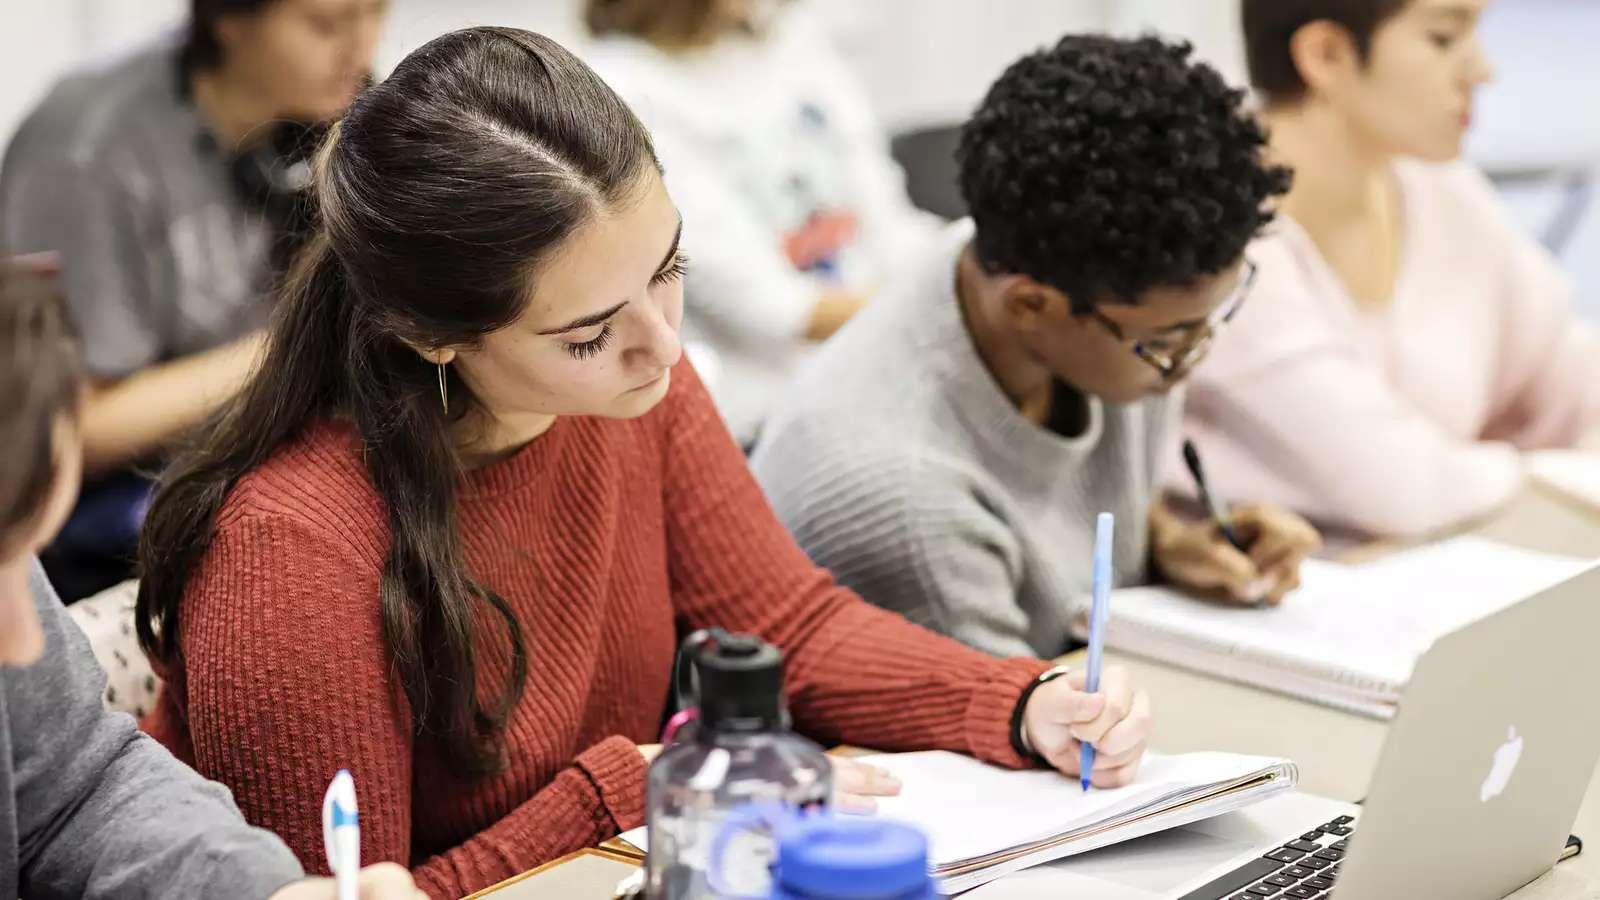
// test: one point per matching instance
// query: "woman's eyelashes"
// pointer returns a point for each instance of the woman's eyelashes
(589, 349)
(680, 265)
(1442, 40)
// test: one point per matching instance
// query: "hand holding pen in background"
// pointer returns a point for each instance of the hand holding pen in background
(1249, 555)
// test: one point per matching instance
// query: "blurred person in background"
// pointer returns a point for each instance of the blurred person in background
(89, 807)
(1408, 342)
(168, 184)
(946, 454)
(782, 170)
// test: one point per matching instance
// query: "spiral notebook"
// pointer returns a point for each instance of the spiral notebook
(1350, 636)
(985, 822)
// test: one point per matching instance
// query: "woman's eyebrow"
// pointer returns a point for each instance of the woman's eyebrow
(594, 319)
(588, 321)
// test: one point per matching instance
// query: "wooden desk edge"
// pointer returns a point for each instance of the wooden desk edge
(619, 847)
(634, 860)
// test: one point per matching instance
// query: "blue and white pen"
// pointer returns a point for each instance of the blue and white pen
(1099, 611)
(341, 834)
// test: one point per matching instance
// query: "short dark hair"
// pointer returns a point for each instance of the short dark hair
(201, 48)
(1269, 25)
(41, 376)
(1105, 167)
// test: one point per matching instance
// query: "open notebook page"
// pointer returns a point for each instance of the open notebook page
(970, 809)
(1367, 623)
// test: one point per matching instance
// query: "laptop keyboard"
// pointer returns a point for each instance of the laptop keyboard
(1305, 868)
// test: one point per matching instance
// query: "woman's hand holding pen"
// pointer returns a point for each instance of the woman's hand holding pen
(1117, 720)
(1198, 556)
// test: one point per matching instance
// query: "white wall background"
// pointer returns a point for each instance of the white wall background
(924, 61)
(927, 62)
(40, 40)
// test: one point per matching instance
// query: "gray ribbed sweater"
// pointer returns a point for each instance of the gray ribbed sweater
(898, 463)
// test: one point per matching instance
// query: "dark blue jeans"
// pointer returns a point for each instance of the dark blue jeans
(97, 545)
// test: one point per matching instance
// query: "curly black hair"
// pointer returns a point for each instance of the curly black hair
(1105, 167)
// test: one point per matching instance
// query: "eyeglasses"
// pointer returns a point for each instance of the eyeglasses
(1175, 357)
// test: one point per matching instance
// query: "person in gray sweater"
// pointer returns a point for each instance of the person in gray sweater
(89, 806)
(946, 453)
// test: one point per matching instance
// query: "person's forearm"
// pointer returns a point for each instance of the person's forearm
(1162, 522)
(833, 309)
(860, 675)
(146, 411)
(599, 795)
(1166, 527)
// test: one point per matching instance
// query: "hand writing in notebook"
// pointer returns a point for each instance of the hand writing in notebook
(1197, 557)
(1116, 720)
(856, 784)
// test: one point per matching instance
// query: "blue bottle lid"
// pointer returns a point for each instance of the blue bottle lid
(832, 857)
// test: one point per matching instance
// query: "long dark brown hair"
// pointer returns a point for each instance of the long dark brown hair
(438, 194)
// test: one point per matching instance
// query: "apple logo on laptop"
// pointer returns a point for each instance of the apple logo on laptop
(1505, 762)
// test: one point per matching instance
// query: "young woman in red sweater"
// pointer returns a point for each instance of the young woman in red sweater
(450, 533)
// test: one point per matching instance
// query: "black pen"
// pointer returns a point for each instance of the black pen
(1191, 457)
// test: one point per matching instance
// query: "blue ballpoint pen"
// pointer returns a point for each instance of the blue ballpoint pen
(1099, 611)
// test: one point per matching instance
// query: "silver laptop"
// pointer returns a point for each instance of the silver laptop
(1481, 774)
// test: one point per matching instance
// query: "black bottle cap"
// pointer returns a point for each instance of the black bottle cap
(740, 683)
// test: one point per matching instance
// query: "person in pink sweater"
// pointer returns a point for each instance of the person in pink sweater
(1405, 342)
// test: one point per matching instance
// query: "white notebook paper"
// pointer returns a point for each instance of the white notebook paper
(1574, 473)
(984, 822)
(1351, 635)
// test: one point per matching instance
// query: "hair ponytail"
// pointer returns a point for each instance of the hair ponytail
(504, 144)
(295, 381)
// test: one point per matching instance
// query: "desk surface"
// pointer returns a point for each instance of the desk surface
(1337, 751)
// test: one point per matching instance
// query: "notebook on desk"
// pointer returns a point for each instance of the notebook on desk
(984, 822)
(587, 873)
(1572, 473)
(1350, 636)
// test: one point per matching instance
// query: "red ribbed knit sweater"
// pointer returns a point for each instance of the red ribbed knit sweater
(609, 539)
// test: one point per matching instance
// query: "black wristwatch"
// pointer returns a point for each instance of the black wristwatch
(1019, 738)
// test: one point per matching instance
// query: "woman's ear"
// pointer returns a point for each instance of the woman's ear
(1325, 55)
(438, 356)
(232, 31)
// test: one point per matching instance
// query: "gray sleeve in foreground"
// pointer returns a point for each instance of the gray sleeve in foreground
(103, 811)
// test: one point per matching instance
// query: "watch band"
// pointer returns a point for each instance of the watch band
(1019, 739)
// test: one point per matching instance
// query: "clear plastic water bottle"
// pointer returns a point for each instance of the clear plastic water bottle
(830, 857)
(739, 752)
